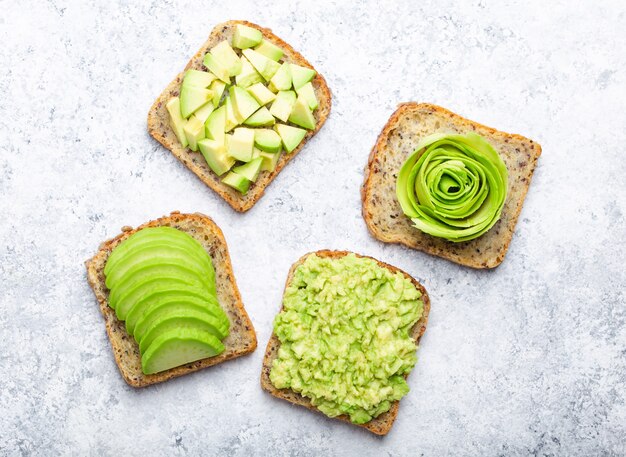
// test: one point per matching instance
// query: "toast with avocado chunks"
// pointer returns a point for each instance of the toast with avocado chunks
(407, 126)
(241, 196)
(241, 337)
(381, 424)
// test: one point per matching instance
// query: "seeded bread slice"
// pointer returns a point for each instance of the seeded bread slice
(381, 424)
(159, 128)
(382, 213)
(240, 341)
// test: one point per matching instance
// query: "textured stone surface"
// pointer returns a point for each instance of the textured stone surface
(527, 359)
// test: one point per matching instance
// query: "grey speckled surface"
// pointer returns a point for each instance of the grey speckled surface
(527, 359)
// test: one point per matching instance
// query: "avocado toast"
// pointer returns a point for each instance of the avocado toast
(381, 424)
(241, 337)
(383, 215)
(250, 190)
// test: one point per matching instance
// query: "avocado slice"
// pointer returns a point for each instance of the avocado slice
(198, 78)
(215, 125)
(227, 58)
(270, 160)
(283, 104)
(308, 93)
(215, 155)
(240, 144)
(159, 300)
(204, 112)
(177, 122)
(218, 88)
(237, 182)
(182, 319)
(281, 79)
(249, 170)
(194, 131)
(177, 347)
(192, 98)
(248, 75)
(244, 104)
(267, 140)
(302, 115)
(261, 93)
(216, 67)
(246, 37)
(291, 136)
(269, 50)
(261, 118)
(265, 66)
(300, 75)
(232, 120)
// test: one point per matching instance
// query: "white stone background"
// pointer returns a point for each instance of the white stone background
(527, 359)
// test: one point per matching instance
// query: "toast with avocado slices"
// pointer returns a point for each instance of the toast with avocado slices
(377, 423)
(243, 107)
(224, 316)
(382, 211)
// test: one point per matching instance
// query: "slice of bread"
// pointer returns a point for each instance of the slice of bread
(159, 128)
(240, 341)
(382, 213)
(381, 424)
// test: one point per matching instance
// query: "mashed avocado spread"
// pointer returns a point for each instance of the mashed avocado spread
(344, 333)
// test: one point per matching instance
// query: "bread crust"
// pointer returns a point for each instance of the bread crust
(385, 219)
(242, 337)
(159, 128)
(379, 425)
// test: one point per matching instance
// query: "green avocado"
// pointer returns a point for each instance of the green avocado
(269, 50)
(215, 125)
(264, 65)
(194, 131)
(246, 37)
(300, 75)
(177, 121)
(244, 104)
(249, 170)
(261, 93)
(267, 140)
(216, 156)
(185, 318)
(192, 98)
(261, 118)
(302, 115)
(232, 119)
(198, 78)
(281, 79)
(238, 182)
(248, 75)
(240, 144)
(291, 136)
(270, 160)
(345, 335)
(283, 104)
(177, 347)
(216, 67)
(227, 58)
(218, 87)
(308, 93)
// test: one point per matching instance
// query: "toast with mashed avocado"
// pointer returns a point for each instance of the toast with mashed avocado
(346, 337)
(394, 186)
(244, 106)
(167, 290)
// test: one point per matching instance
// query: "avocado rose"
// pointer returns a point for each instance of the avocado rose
(453, 186)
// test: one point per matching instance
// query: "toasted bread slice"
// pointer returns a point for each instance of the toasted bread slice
(159, 128)
(382, 213)
(240, 341)
(381, 424)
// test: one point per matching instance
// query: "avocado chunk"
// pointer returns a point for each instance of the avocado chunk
(249, 170)
(218, 88)
(216, 125)
(270, 160)
(216, 67)
(246, 37)
(281, 79)
(267, 140)
(182, 319)
(308, 93)
(177, 347)
(237, 182)
(215, 155)
(232, 119)
(291, 136)
(204, 112)
(243, 103)
(283, 104)
(227, 58)
(198, 78)
(240, 144)
(177, 122)
(269, 50)
(300, 75)
(248, 75)
(194, 131)
(192, 98)
(265, 66)
(261, 93)
(302, 115)
(159, 301)
(261, 118)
